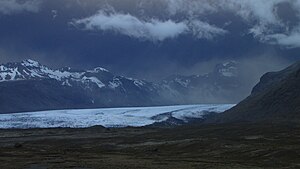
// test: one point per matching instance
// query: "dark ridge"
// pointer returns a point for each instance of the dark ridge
(276, 98)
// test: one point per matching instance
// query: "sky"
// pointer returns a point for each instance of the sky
(151, 39)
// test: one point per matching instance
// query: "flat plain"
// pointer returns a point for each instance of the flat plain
(232, 146)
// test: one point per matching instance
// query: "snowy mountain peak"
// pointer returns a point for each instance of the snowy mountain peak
(227, 69)
(33, 70)
(230, 63)
(100, 69)
(30, 63)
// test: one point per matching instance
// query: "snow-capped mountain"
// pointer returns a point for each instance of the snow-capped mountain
(217, 86)
(32, 70)
(31, 86)
(228, 69)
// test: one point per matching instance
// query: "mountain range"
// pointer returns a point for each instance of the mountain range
(31, 86)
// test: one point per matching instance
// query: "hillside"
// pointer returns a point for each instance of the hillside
(275, 98)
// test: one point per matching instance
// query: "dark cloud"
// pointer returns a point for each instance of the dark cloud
(151, 39)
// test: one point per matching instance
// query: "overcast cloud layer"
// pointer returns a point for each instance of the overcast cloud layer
(273, 21)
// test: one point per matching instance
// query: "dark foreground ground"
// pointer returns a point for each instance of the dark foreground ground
(211, 146)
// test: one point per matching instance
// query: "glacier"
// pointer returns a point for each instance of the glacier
(107, 117)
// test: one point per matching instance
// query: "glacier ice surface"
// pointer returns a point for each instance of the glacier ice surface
(107, 117)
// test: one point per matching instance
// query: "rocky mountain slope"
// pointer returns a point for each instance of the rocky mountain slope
(275, 98)
(218, 86)
(31, 86)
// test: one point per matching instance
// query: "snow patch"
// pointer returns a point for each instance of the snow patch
(139, 83)
(97, 70)
(115, 83)
(30, 63)
(7, 74)
(183, 83)
(94, 80)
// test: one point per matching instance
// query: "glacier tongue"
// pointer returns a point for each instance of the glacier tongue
(109, 117)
